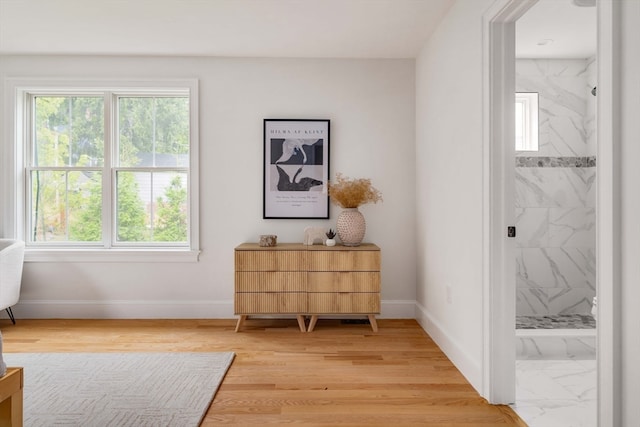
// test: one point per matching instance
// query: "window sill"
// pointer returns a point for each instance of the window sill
(110, 255)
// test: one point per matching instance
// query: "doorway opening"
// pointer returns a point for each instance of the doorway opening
(499, 290)
(555, 211)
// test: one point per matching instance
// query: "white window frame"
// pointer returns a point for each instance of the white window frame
(529, 102)
(16, 142)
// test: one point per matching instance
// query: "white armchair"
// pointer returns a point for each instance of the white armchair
(11, 260)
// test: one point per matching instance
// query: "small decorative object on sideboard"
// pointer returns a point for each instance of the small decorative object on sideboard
(349, 194)
(312, 235)
(330, 238)
(268, 240)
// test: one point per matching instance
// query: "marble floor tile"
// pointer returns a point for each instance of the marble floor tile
(556, 393)
(558, 413)
(532, 345)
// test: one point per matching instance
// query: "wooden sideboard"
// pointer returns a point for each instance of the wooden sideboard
(11, 388)
(292, 278)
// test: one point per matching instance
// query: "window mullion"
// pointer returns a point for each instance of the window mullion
(70, 154)
(33, 219)
(108, 176)
(153, 133)
(66, 204)
(29, 150)
(152, 211)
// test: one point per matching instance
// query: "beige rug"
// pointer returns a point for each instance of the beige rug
(119, 389)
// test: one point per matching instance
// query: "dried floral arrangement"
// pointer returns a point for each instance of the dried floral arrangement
(351, 193)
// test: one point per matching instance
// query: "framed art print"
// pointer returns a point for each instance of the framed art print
(296, 169)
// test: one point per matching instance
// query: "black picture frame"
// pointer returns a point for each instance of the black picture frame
(296, 168)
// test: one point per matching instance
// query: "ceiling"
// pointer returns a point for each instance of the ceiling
(268, 28)
(569, 31)
(239, 28)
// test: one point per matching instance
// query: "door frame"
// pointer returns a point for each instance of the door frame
(499, 356)
(498, 367)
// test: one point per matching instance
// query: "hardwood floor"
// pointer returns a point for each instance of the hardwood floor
(340, 374)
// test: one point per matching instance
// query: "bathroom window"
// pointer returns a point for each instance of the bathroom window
(109, 168)
(526, 121)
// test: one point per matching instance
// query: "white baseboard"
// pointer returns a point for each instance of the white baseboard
(470, 368)
(126, 309)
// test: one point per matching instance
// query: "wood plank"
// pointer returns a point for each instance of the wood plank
(340, 374)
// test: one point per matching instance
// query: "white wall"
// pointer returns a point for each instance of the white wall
(630, 209)
(449, 186)
(371, 105)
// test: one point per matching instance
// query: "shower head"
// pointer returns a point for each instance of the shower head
(593, 91)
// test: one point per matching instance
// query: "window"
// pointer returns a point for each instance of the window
(526, 121)
(108, 168)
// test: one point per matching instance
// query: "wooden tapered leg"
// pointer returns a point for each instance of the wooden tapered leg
(312, 322)
(374, 324)
(241, 320)
(301, 323)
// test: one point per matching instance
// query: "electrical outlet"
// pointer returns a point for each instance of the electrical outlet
(449, 297)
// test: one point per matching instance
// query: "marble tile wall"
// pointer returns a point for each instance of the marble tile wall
(555, 191)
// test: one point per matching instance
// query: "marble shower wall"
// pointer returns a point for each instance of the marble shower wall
(555, 190)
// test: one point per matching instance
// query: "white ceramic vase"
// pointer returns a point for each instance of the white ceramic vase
(351, 227)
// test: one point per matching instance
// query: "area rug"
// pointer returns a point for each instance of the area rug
(119, 389)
